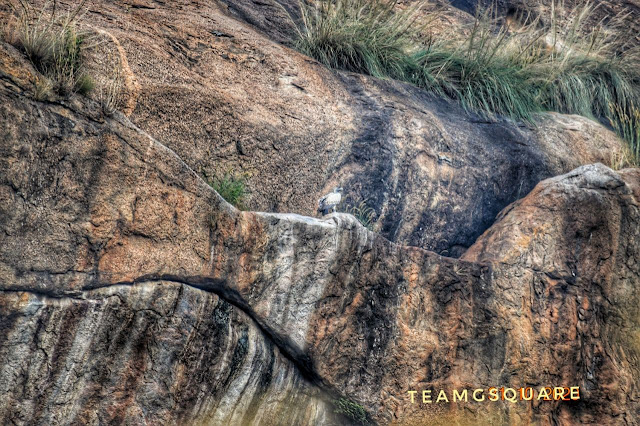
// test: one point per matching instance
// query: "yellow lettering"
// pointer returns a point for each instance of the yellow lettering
(557, 393)
(512, 397)
(522, 393)
(460, 396)
(575, 392)
(544, 394)
(442, 396)
(475, 398)
(426, 397)
(413, 394)
(493, 394)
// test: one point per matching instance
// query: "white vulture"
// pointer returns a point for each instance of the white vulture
(329, 202)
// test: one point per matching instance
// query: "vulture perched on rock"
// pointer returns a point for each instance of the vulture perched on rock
(329, 202)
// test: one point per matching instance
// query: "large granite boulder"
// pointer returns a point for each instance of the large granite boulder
(223, 95)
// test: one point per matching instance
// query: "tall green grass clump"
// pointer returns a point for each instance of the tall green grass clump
(563, 64)
(588, 71)
(53, 45)
(626, 122)
(364, 36)
(516, 72)
(486, 71)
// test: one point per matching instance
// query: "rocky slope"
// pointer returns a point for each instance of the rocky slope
(222, 95)
(132, 293)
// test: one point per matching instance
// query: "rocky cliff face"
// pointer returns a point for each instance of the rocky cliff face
(132, 293)
(157, 352)
(222, 95)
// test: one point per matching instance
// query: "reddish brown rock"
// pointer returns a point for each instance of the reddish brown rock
(132, 293)
(91, 203)
(223, 95)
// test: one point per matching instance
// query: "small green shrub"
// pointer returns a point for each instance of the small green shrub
(364, 214)
(84, 84)
(54, 46)
(351, 410)
(232, 187)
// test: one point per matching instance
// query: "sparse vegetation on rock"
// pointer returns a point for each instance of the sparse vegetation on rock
(626, 122)
(53, 44)
(132, 293)
(231, 186)
(351, 410)
(561, 65)
(362, 212)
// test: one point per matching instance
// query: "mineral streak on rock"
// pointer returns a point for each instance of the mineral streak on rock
(154, 352)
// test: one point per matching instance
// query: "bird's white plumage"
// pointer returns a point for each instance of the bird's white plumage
(333, 198)
(330, 201)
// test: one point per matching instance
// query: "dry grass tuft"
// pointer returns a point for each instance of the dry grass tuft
(53, 44)
(110, 96)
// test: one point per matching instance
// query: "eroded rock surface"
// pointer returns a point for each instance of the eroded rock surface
(223, 95)
(131, 292)
(117, 262)
(156, 352)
